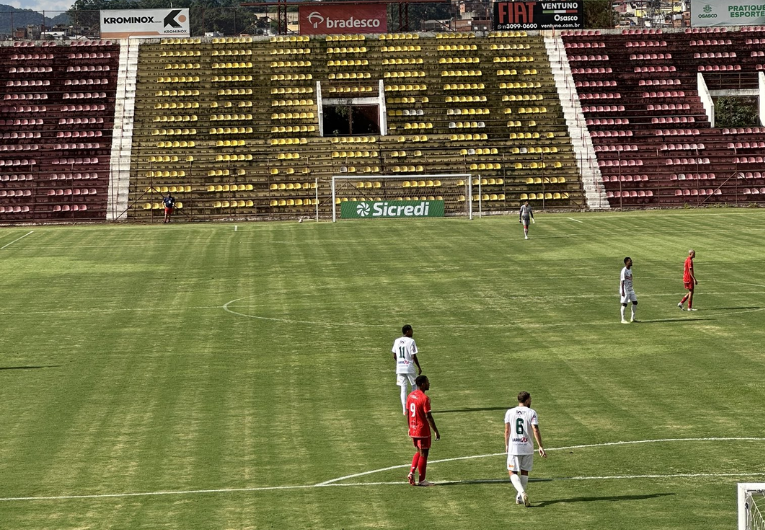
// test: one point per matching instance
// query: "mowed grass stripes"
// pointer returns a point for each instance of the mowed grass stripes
(188, 358)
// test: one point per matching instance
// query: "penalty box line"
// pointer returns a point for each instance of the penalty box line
(337, 481)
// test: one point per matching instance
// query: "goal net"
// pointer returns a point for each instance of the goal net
(386, 196)
(751, 506)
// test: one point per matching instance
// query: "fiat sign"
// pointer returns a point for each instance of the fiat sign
(333, 19)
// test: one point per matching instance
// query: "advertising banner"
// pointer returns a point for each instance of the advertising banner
(538, 15)
(125, 23)
(391, 209)
(316, 19)
(706, 13)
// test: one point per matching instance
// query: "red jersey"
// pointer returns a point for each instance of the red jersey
(418, 405)
(687, 270)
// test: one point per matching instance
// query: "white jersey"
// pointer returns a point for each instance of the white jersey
(627, 279)
(521, 419)
(405, 349)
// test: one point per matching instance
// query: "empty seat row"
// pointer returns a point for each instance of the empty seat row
(682, 147)
(670, 106)
(676, 119)
(625, 178)
(695, 192)
(687, 161)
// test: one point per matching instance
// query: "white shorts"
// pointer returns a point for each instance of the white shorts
(629, 296)
(403, 379)
(518, 463)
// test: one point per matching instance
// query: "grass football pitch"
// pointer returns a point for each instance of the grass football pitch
(221, 376)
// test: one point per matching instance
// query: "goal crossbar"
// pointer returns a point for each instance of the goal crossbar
(466, 176)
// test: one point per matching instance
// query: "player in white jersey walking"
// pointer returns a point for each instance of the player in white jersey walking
(520, 423)
(525, 214)
(405, 354)
(626, 292)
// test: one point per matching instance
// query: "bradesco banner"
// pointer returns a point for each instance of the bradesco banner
(330, 20)
(705, 13)
(538, 15)
(391, 209)
(125, 23)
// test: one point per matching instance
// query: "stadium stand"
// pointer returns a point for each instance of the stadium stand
(652, 135)
(56, 120)
(233, 124)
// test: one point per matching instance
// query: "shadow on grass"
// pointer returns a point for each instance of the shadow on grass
(754, 307)
(29, 367)
(505, 481)
(609, 498)
(477, 409)
(662, 320)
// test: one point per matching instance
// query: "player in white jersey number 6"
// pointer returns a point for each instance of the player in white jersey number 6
(520, 423)
(405, 355)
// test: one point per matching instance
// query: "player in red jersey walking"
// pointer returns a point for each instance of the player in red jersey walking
(420, 423)
(689, 281)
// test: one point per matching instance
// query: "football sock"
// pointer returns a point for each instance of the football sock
(684, 299)
(524, 481)
(622, 310)
(403, 398)
(415, 461)
(516, 480)
(634, 311)
(423, 465)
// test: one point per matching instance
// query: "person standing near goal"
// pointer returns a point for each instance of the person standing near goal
(626, 291)
(525, 215)
(520, 423)
(689, 281)
(405, 355)
(420, 423)
(169, 203)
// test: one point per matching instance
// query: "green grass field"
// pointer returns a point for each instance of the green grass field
(202, 377)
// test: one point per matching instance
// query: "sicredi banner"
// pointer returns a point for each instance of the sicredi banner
(316, 19)
(706, 13)
(391, 209)
(538, 15)
(125, 23)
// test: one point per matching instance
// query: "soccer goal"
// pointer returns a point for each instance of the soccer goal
(388, 196)
(751, 506)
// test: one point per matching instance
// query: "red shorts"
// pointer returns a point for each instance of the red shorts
(422, 443)
(168, 210)
(688, 285)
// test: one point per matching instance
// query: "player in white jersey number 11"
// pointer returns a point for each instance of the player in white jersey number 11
(405, 355)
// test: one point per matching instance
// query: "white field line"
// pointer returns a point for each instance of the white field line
(586, 446)
(516, 323)
(362, 484)
(335, 482)
(19, 239)
(106, 310)
(575, 220)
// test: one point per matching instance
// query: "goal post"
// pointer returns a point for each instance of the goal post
(386, 196)
(751, 506)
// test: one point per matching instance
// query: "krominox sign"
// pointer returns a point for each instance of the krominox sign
(316, 19)
(125, 23)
